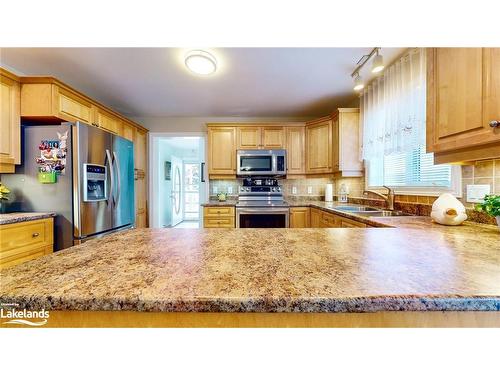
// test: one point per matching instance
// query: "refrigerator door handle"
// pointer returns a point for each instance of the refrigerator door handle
(118, 185)
(111, 175)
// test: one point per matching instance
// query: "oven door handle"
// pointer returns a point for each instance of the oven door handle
(263, 210)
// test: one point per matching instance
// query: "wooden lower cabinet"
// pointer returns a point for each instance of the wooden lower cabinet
(300, 217)
(348, 223)
(219, 217)
(27, 240)
(315, 217)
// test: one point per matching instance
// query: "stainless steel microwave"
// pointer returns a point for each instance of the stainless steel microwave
(261, 162)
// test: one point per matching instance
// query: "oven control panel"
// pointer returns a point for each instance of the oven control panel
(260, 189)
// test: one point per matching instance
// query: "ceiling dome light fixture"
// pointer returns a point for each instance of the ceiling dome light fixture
(200, 62)
(378, 63)
(358, 83)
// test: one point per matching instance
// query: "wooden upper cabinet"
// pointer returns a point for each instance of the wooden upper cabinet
(273, 137)
(260, 137)
(295, 150)
(249, 137)
(222, 150)
(10, 122)
(346, 144)
(319, 146)
(127, 131)
(463, 97)
(52, 101)
(106, 120)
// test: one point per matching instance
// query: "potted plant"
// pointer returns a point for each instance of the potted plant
(490, 206)
(4, 196)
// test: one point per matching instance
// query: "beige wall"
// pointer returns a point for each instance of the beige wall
(197, 124)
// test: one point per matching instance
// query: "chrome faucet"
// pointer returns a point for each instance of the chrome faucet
(389, 198)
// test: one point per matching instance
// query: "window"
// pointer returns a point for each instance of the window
(393, 123)
(191, 191)
(412, 172)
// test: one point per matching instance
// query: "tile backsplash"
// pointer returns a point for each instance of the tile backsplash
(486, 172)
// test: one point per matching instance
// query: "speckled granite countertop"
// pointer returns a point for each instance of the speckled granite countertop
(17, 217)
(267, 270)
(229, 202)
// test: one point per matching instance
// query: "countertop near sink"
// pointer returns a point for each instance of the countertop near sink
(17, 217)
(267, 270)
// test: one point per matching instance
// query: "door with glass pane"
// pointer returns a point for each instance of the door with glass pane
(176, 195)
(191, 191)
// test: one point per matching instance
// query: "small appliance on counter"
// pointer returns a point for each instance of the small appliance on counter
(343, 193)
(94, 190)
(261, 205)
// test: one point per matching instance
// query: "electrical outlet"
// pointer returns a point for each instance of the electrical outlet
(309, 190)
(476, 193)
(294, 189)
(215, 189)
(230, 189)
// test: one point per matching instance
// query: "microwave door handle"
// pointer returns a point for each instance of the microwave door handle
(118, 182)
(111, 176)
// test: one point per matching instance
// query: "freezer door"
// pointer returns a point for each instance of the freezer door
(123, 190)
(93, 148)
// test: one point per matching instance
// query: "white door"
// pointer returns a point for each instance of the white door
(176, 195)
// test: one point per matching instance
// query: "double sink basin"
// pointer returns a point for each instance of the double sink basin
(369, 211)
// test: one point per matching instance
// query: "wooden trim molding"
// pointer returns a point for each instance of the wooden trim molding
(383, 319)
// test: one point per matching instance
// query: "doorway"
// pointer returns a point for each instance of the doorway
(177, 181)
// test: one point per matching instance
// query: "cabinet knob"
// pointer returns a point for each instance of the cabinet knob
(36, 234)
(494, 123)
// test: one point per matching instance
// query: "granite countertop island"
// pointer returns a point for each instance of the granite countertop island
(17, 217)
(410, 268)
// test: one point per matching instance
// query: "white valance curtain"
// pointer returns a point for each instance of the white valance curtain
(393, 107)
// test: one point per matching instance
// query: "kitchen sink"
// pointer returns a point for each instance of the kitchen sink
(370, 211)
(356, 209)
(382, 213)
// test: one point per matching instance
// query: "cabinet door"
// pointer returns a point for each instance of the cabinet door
(71, 107)
(457, 78)
(336, 146)
(295, 150)
(10, 127)
(491, 99)
(127, 131)
(106, 120)
(249, 137)
(140, 165)
(300, 217)
(222, 151)
(315, 218)
(319, 147)
(273, 137)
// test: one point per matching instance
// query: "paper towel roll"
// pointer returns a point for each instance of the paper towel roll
(329, 193)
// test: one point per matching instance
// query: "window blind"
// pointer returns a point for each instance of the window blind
(412, 169)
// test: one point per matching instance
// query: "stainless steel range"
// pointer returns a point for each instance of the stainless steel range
(261, 205)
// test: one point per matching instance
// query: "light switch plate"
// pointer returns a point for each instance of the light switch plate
(215, 190)
(230, 190)
(309, 190)
(476, 193)
(294, 189)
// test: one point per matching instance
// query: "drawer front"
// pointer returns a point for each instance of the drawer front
(218, 222)
(21, 255)
(218, 211)
(346, 223)
(27, 234)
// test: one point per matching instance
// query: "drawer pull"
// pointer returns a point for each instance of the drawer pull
(495, 123)
(36, 234)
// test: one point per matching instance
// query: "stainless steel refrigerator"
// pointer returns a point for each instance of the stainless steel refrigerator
(94, 193)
